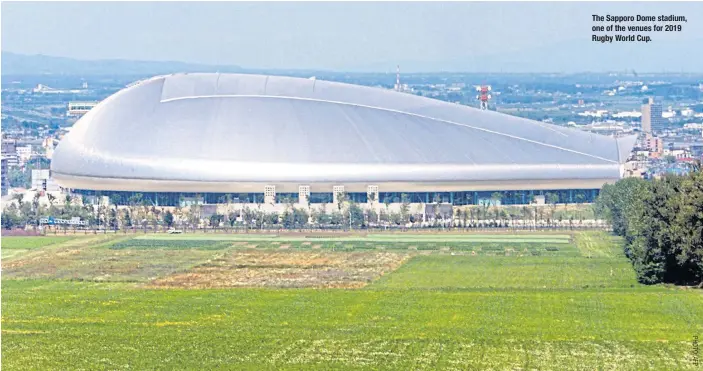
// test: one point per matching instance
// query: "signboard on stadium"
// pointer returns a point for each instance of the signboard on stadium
(52, 221)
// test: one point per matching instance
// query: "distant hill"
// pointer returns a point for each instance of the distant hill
(20, 64)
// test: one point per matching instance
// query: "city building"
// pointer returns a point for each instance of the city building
(652, 120)
(79, 108)
(655, 144)
(24, 153)
(42, 181)
(272, 141)
(5, 181)
(9, 152)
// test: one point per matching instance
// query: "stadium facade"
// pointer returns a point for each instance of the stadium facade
(270, 139)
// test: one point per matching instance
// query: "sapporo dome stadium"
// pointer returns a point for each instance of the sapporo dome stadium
(269, 139)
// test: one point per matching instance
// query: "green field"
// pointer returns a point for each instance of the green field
(14, 246)
(282, 303)
(394, 238)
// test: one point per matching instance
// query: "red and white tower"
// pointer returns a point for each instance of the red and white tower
(484, 95)
(397, 78)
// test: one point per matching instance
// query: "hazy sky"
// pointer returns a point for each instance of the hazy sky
(338, 36)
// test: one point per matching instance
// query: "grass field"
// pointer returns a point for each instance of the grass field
(15, 246)
(293, 303)
(533, 238)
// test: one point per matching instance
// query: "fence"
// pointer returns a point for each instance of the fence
(329, 230)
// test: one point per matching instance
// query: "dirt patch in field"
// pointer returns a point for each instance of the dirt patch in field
(287, 269)
(321, 234)
(80, 260)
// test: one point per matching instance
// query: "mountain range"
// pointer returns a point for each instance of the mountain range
(21, 64)
(566, 57)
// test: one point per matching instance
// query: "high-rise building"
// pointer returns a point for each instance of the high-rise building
(9, 151)
(654, 144)
(652, 120)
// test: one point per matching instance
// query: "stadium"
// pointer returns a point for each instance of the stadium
(275, 140)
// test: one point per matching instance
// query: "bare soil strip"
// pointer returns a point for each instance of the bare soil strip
(287, 269)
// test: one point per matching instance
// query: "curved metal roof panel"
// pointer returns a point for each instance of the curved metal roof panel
(230, 127)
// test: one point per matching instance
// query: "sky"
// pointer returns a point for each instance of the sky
(344, 36)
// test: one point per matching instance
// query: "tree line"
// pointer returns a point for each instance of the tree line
(662, 224)
(138, 212)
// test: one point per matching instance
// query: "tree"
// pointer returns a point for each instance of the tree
(372, 198)
(459, 215)
(395, 218)
(10, 217)
(19, 197)
(321, 217)
(387, 203)
(115, 199)
(336, 218)
(35, 200)
(300, 217)
(616, 201)
(51, 198)
(112, 221)
(539, 214)
(126, 218)
(552, 200)
(341, 198)
(228, 199)
(664, 230)
(372, 216)
(356, 214)
(525, 214)
(437, 200)
(662, 222)
(496, 198)
(404, 208)
(232, 218)
(216, 219)
(168, 218)
(18, 178)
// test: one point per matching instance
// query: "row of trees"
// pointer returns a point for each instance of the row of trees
(662, 223)
(28, 212)
(140, 213)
